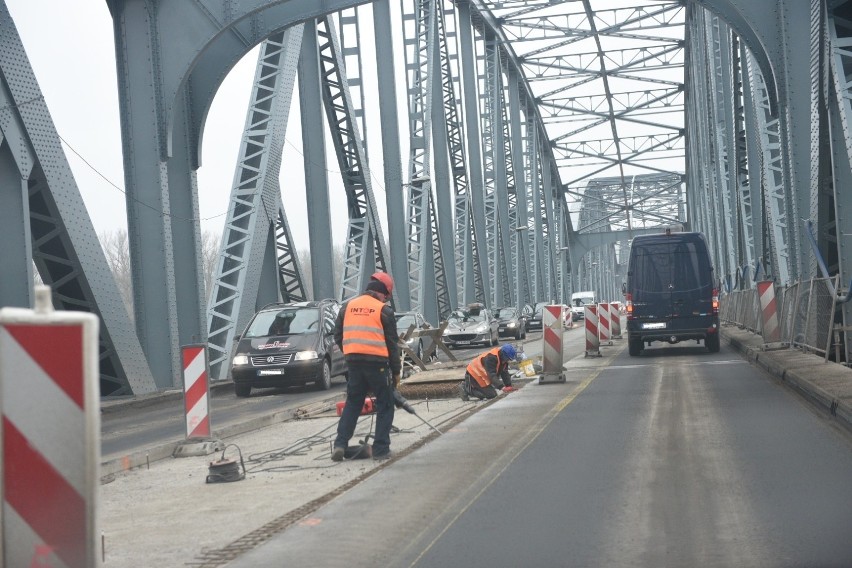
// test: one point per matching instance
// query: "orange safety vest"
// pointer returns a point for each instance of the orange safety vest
(363, 332)
(477, 370)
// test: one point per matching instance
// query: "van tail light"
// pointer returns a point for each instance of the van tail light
(628, 305)
(715, 301)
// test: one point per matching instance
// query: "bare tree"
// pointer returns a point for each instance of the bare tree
(117, 250)
(210, 243)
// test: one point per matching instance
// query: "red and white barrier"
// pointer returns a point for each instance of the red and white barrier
(50, 436)
(769, 312)
(592, 340)
(604, 320)
(196, 391)
(552, 362)
(615, 319)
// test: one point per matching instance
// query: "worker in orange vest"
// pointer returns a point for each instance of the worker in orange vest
(488, 372)
(366, 332)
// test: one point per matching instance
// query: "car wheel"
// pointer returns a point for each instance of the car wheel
(635, 347)
(325, 382)
(242, 390)
(712, 343)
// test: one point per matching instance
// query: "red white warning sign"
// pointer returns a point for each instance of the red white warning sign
(49, 436)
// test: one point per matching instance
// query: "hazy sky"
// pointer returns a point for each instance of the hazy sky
(73, 55)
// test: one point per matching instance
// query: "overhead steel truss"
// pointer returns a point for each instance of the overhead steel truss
(543, 135)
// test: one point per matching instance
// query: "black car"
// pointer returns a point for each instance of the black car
(288, 344)
(671, 294)
(535, 319)
(511, 321)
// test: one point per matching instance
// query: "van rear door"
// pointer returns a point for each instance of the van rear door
(691, 284)
(651, 277)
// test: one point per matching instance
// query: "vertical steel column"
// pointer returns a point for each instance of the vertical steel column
(485, 63)
(146, 181)
(316, 177)
(389, 117)
(516, 158)
(837, 61)
(777, 221)
(745, 239)
(474, 152)
(469, 279)
(537, 238)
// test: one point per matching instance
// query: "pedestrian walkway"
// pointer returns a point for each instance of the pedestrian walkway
(825, 384)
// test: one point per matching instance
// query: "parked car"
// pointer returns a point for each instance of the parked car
(404, 320)
(288, 344)
(471, 325)
(511, 321)
(671, 293)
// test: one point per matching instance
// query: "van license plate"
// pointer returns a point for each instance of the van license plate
(270, 372)
(654, 325)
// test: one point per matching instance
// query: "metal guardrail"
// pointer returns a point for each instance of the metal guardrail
(806, 313)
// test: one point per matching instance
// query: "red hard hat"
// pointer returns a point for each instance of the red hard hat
(385, 279)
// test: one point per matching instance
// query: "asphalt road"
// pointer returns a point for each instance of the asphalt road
(131, 427)
(677, 458)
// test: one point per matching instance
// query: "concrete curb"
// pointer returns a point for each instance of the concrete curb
(801, 373)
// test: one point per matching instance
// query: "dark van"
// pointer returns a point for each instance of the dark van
(288, 344)
(671, 294)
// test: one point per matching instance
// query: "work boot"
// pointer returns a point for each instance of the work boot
(463, 393)
(383, 456)
(338, 453)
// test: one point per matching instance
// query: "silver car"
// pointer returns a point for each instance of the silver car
(405, 320)
(471, 325)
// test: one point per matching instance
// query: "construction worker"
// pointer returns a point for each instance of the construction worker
(366, 332)
(488, 372)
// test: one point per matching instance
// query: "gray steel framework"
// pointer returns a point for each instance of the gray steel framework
(610, 122)
(256, 218)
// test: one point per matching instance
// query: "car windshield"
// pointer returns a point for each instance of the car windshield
(404, 321)
(460, 316)
(506, 313)
(539, 307)
(579, 302)
(287, 321)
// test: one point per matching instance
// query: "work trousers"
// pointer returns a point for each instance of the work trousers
(473, 388)
(364, 378)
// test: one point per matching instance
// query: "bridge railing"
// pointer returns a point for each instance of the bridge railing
(805, 312)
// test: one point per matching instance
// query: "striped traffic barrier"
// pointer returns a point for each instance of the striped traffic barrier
(552, 362)
(49, 437)
(196, 403)
(592, 340)
(615, 319)
(604, 319)
(769, 312)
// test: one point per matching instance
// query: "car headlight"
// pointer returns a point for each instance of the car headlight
(510, 324)
(446, 332)
(481, 328)
(241, 360)
(306, 355)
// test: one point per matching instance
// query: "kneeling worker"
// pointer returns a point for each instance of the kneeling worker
(487, 373)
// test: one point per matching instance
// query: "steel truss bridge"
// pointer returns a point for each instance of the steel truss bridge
(531, 141)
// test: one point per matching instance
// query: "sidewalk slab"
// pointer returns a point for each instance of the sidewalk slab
(827, 385)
